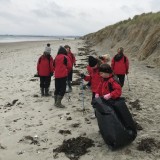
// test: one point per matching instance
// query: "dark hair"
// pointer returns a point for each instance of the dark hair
(62, 50)
(67, 46)
(120, 50)
(106, 68)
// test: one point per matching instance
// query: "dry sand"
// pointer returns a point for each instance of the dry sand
(30, 123)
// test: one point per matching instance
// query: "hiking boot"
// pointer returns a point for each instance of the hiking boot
(46, 92)
(42, 91)
(58, 102)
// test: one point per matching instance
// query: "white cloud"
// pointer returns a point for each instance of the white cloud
(67, 17)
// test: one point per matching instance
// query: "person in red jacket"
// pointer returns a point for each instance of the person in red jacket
(62, 67)
(108, 87)
(120, 65)
(93, 77)
(45, 70)
(73, 63)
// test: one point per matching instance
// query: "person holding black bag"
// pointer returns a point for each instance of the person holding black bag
(104, 88)
(45, 71)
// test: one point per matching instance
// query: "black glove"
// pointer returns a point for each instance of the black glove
(82, 75)
(51, 74)
(36, 75)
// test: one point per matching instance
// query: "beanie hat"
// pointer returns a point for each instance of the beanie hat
(92, 61)
(105, 68)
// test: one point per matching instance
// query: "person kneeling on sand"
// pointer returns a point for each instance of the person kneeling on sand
(62, 66)
(108, 87)
(45, 71)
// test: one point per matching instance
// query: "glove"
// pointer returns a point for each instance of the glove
(96, 95)
(107, 96)
(51, 74)
(36, 75)
(82, 75)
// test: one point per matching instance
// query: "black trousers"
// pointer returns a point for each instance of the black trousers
(121, 78)
(45, 81)
(60, 86)
(93, 96)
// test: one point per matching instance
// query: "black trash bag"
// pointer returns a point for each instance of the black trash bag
(115, 122)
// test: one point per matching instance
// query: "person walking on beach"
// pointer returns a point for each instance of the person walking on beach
(48, 48)
(93, 77)
(73, 63)
(120, 65)
(62, 67)
(108, 87)
(44, 71)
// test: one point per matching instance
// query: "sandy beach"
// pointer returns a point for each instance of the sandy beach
(30, 124)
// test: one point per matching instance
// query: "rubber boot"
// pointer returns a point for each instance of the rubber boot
(46, 92)
(55, 99)
(42, 91)
(58, 102)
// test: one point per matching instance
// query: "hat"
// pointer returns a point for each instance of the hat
(92, 61)
(105, 68)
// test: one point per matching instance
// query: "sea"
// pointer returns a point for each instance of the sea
(23, 38)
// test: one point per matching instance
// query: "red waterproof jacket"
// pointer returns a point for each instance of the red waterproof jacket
(72, 58)
(94, 78)
(62, 66)
(43, 66)
(121, 66)
(103, 87)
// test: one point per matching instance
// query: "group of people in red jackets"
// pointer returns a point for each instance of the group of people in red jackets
(107, 81)
(62, 67)
(101, 75)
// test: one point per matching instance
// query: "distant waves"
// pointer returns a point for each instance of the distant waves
(21, 38)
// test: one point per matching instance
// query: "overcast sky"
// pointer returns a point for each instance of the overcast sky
(67, 17)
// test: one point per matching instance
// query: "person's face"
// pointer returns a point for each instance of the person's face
(104, 75)
(118, 50)
(67, 49)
